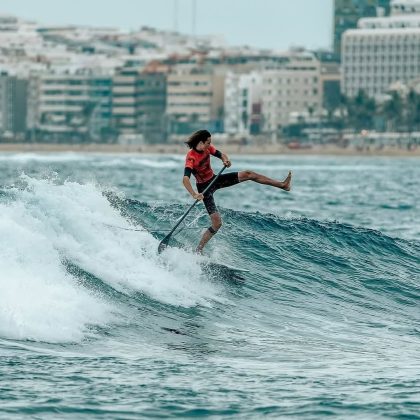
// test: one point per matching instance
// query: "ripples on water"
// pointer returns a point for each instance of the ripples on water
(94, 323)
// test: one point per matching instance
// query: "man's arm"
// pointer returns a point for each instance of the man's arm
(223, 157)
(187, 184)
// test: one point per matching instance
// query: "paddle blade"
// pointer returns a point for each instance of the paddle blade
(164, 243)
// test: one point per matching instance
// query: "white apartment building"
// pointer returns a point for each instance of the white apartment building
(17, 39)
(295, 88)
(170, 41)
(242, 101)
(9, 23)
(382, 50)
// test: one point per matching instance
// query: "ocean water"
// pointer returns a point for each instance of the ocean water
(95, 324)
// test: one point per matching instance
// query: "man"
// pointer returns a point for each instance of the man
(197, 162)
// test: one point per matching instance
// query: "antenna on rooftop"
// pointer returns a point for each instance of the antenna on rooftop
(194, 16)
(176, 15)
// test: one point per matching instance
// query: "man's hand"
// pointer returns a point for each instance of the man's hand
(198, 196)
(226, 161)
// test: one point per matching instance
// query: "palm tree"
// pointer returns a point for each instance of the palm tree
(392, 110)
(362, 110)
(412, 110)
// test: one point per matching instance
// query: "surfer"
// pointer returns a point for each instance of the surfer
(197, 162)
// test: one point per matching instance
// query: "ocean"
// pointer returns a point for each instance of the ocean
(94, 323)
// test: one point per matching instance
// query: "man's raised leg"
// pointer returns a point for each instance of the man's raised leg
(262, 179)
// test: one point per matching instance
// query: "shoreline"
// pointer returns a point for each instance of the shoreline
(264, 149)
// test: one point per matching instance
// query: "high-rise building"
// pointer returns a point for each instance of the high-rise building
(382, 51)
(13, 105)
(348, 12)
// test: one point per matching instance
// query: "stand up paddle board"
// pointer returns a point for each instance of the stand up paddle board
(214, 267)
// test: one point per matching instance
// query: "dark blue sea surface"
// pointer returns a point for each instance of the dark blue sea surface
(94, 323)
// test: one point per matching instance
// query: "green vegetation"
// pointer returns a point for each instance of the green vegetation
(396, 113)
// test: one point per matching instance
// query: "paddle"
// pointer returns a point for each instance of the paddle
(164, 243)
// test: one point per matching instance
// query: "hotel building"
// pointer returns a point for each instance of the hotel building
(382, 51)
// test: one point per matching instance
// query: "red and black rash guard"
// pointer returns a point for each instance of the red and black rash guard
(199, 164)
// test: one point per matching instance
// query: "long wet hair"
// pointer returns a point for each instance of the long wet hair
(195, 138)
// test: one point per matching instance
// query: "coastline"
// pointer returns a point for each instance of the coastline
(264, 149)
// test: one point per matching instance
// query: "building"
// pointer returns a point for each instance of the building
(242, 103)
(13, 106)
(407, 7)
(348, 12)
(138, 104)
(195, 99)
(70, 107)
(295, 88)
(9, 23)
(151, 106)
(124, 113)
(382, 50)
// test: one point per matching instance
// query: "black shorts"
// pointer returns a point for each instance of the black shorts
(224, 180)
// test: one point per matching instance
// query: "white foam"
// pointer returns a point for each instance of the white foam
(50, 222)
(155, 163)
(38, 299)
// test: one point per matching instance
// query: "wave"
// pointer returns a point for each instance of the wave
(47, 157)
(77, 257)
(115, 160)
(364, 263)
(141, 162)
(48, 224)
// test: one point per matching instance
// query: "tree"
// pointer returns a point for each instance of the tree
(412, 111)
(392, 110)
(361, 111)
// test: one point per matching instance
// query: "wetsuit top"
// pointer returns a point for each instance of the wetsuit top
(199, 163)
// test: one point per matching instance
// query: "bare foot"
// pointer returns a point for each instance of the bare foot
(287, 182)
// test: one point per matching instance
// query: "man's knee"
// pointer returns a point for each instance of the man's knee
(216, 224)
(247, 175)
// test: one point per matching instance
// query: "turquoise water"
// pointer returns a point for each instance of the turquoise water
(95, 324)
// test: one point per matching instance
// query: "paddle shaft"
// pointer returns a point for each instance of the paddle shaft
(165, 240)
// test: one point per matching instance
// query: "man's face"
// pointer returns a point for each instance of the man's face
(202, 146)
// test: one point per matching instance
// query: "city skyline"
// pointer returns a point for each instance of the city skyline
(280, 24)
